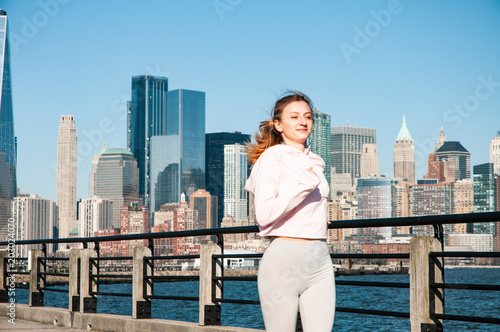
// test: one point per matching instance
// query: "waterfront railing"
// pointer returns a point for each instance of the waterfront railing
(83, 271)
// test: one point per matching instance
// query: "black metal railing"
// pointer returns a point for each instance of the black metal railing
(438, 287)
(218, 281)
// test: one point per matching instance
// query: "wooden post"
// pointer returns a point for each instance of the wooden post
(74, 286)
(209, 311)
(420, 291)
(35, 294)
(141, 307)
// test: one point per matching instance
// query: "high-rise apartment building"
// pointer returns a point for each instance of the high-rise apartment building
(94, 213)
(67, 176)
(463, 198)
(374, 201)
(214, 165)
(495, 153)
(184, 219)
(484, 196)
(404, 155)
(369, 161)
(35, 218)
(347, 146)
(320, 140)
(206, 205)
(147, 116)
(235, 176)
(428, 199)
(8, 142)
(443, 171)
(134, 220)
(456, 153)
(115, 177)
(400, 199)
(186, 118)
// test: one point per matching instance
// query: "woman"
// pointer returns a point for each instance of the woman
(291, 192)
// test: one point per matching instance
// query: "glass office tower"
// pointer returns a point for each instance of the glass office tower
(484, 196)
(165, 176)
(214, 165)
(455, 152)
(347, 146)
(186, 118)
(8, 148)
(147, 116)
(115, 176)
(320, 140)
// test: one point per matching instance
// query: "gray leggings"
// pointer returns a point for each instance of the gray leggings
(295, 274)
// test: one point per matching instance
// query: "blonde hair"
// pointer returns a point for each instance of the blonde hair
(267, 135)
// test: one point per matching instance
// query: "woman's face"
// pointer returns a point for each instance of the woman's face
(295, 124)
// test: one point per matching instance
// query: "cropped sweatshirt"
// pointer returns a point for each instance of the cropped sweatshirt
(289, 200)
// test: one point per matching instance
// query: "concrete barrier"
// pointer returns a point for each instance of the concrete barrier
(107, 322)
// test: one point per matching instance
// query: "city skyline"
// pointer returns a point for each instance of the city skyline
(363, 62)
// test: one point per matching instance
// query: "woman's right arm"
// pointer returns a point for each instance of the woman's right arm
(271, 203)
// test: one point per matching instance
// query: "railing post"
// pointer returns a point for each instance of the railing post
(420, 291)
(4, 288)
(88, 302)
(35, 293)
(209, 311)
(74, 282)
(141, 306)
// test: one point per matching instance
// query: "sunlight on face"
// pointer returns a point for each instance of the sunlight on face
(295, 124)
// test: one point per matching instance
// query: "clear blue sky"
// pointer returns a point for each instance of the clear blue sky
(366, 62)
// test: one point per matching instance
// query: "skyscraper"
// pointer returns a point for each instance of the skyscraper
(186, 118)
(66, 175)
(347, 146)
(95, 214)
(443, 171)
(206, 205)
(404, 155)
(369, 161)
(495, 153)
(484, 196)
(235, 176)
(8, 143)
(115, 177)
(147, 116)
(214, 165)
(320, 140)
(374, 201)
(456, 153)
(441, 139)
(35, 218)
(165, 165)
(431, 199)
(134, 220)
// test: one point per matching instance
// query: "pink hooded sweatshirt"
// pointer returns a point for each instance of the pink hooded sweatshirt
(289, 200)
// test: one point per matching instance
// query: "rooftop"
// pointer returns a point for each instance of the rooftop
(451, 146)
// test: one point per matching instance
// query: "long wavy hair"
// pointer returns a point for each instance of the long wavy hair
(267, 135)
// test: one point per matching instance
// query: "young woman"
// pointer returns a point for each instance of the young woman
(296, 271)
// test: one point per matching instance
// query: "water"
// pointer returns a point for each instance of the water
(458, 302)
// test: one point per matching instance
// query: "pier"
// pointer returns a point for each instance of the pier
(85, 272)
